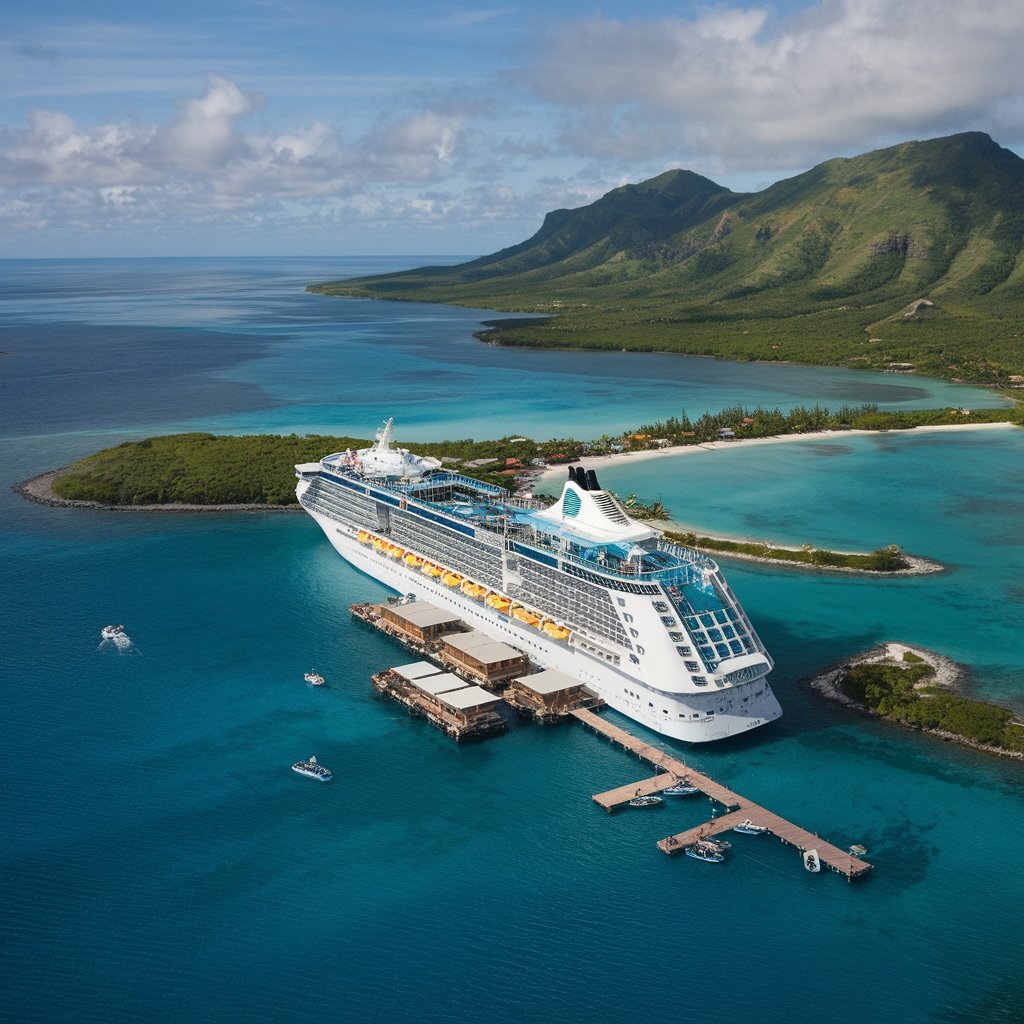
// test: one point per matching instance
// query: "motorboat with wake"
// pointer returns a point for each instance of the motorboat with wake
(314, 679)
(117, 636)
(812, 861)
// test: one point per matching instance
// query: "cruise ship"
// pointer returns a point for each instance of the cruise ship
(651, 627)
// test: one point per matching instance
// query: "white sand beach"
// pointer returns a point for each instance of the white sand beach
(599, 462)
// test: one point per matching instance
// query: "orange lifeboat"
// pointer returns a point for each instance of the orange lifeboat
(363, 537)
(473, 590)
(413, 560)
(397, 552)
(451, 579)
(525, 615)
(499, 602)
(379, 544)
(555, 630)
(435, 571)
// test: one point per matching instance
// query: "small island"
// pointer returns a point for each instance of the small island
(255, 473)
(916, 688)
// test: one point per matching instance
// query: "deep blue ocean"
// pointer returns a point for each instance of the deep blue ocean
(160, 862)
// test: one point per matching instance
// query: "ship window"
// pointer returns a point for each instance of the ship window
(622, 602)
(633, 658)
(664, 711)
(668, 620)
(707, 619)
(728, 632)
(692, 666)
(683, 652)
(714, 634)
(660, 606)
(649, 704)
(633, 633)
(639, 649)
(700, 681)
(723, 651)
(696, 714)
(676, 638)
(627, 617)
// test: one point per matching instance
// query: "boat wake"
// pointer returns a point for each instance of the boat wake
(115, 638)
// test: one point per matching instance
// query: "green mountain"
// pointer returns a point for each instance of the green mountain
(906, 255)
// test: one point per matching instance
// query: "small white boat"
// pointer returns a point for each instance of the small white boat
(682, 788)
(748, 828)
(812, 861)
(715, 843)
(702, 851)
(116, 635)
(645, 801)
(314, 679)
(312, 768)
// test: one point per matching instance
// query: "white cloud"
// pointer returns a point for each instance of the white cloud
(741, 85)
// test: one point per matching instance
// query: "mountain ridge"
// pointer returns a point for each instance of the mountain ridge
(912, 255)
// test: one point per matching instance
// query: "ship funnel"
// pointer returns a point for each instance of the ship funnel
(572, 473)
(592, 484)
(581, 479)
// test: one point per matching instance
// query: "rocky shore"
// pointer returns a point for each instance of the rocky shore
(947, 673)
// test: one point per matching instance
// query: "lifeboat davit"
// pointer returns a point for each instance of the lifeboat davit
(499, 602)
(471, 589)
(451, 579)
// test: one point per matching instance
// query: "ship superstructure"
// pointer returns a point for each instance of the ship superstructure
(579, 586)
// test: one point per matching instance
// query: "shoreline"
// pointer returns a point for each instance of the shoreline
(39, 489)
(948, 674)
(599, 462)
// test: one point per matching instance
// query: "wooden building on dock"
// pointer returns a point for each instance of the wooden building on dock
(480, 657)
(549, 695)
(462, 710)
(421, 621)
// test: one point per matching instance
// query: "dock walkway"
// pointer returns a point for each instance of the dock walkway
(739, 808)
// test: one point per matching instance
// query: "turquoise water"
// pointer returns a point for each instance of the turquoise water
(162, 863)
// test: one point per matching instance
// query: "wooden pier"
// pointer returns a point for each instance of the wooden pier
(738, 808)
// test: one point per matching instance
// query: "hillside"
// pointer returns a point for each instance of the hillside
(830, 266)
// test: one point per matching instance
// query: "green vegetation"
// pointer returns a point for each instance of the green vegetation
(207, 469)
(887, 559)
(828, 267)
(901, 694)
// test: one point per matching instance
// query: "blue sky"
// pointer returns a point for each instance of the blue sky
(277, 127)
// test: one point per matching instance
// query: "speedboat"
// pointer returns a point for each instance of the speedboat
(702, 851)
(681, 789)
(748, 828)
(812, 861)
(314, 679)
(117, 636)
(313, 769)
(645, 801)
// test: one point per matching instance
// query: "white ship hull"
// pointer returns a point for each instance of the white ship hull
(690, 717)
